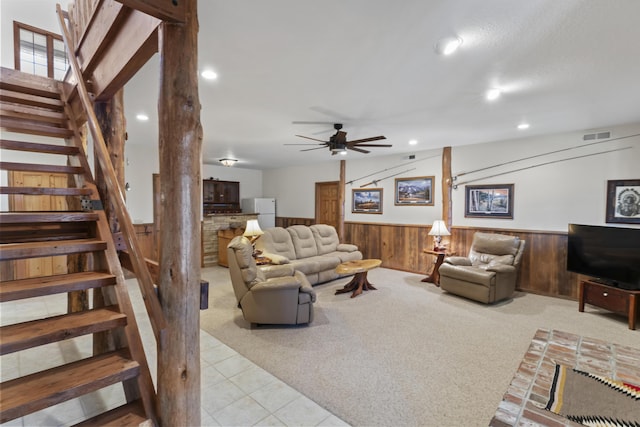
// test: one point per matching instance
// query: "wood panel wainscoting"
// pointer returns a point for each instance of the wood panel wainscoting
(145, 233)
(543, 267)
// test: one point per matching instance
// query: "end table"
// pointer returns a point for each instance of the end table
(434, 277)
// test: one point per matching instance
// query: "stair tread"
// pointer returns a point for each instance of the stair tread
(35, 147)
(21, 336)
(60, 216)
(130, 414)
(32, 84)
(38, 286)
(17, 97)
(35, 128)
(35, 167)
(48, 191)
(31, 393)
(27, 112)
(9, 251)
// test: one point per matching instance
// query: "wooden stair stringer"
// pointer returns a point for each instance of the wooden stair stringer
(106, 273)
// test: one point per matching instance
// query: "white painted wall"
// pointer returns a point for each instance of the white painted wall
(547, 197)
(294, 187)
(550, 196)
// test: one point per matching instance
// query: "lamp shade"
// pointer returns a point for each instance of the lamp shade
(253, 229)
(439, 229)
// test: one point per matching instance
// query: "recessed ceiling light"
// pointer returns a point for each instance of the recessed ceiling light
(413, 142)
(448, 45)
(493, 94)
(209, 74)
(142, 117)
(523, 126)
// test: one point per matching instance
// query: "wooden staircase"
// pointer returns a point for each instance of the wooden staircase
(35, 108)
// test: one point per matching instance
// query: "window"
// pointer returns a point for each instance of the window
(39, 52)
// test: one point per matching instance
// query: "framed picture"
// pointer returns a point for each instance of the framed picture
(416, 191)
(367, 201)
(489, 201)
(623, 201)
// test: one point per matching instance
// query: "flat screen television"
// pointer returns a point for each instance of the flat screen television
(608, 254)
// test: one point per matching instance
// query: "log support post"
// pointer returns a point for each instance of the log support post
(446, 186)
(180, 149)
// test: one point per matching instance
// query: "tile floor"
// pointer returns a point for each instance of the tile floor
(235, 392)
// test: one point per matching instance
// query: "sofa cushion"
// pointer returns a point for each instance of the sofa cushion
(326, 238)
(303, 241)
(277, 241)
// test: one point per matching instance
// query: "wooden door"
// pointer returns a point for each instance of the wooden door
(44, 266)
(327, 203)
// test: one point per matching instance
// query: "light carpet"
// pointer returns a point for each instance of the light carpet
(407, 354)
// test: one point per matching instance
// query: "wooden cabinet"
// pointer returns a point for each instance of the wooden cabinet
(224, 238)
(618, 300)
(220, 196)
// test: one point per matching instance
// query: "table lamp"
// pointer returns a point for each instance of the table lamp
(438, 229)
(253, 231)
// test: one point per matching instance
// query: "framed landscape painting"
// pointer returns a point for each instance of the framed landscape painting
(416, 191)
(367, 201)
(489, 201)
(623, 201)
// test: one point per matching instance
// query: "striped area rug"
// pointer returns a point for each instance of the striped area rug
(593, 400)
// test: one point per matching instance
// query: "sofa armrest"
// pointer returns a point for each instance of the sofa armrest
(305, 286)
(277, 284)
(501, 268)
(345, 247)
(271, 271)
(275, 258)
(458, 260)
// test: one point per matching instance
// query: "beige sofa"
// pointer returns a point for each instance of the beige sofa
(314, 250)
(274, 295)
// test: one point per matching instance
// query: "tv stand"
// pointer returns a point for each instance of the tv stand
(621, 301)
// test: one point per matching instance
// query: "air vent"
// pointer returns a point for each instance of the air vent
(599, 135)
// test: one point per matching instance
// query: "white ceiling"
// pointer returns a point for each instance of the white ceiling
(370, 64)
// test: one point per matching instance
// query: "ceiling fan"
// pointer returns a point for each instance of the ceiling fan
(338, 142)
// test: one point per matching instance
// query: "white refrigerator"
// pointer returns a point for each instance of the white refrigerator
(264, 207)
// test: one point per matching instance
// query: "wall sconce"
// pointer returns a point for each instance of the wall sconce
(438, 229)
(127, 187)
(228, 162)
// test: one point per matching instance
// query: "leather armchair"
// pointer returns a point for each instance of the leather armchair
(269, 295)
(490, 271)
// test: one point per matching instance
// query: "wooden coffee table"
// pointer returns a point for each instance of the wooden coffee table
(359, 282)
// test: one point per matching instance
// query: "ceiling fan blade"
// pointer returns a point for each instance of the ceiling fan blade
(357, 149)
(303, 122)
(313, 139)
(310, 149)
(373, 138)
(372, 145)
(305, 144)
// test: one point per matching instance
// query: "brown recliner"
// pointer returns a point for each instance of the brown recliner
(490, 271)
(275, 294)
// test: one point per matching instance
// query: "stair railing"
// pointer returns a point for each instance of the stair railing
(151, 301)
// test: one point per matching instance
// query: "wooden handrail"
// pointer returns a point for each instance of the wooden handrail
(156, 316)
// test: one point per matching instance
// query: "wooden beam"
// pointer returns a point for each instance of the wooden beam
(137, 41)
(166, 10)
(341, 199)
(446, 186)
(180, 133)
